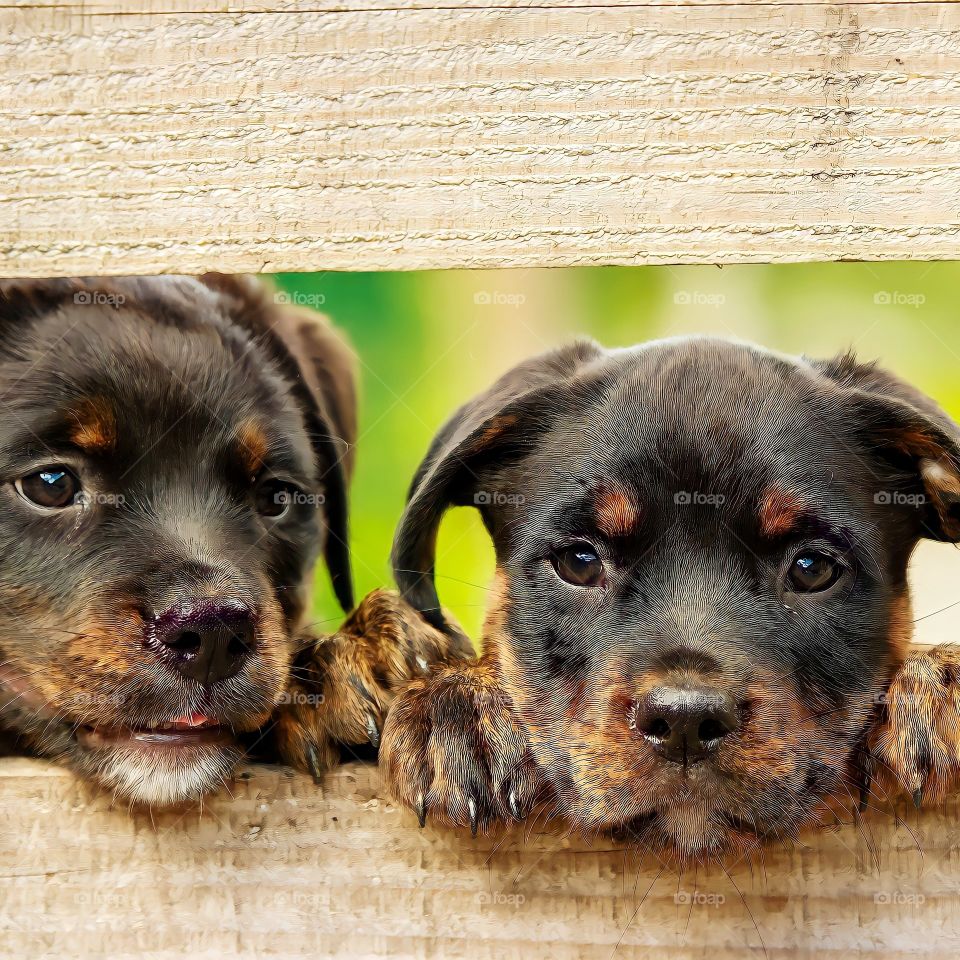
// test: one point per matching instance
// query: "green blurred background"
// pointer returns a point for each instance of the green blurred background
(428, 341)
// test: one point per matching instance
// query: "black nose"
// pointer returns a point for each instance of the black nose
(684, 724)
(207, 640)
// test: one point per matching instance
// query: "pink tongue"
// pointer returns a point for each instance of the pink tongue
(192, 720)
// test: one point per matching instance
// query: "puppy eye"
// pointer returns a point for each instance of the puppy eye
(52, 488)
(812, 572)
(274, 498)
(579, 565)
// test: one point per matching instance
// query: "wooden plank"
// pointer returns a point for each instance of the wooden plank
(287, 138)
(285, 869)
(177, 7)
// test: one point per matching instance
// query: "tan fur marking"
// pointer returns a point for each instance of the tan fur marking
(616, 512)
(493, 431)
(252, 446)
(940, 474)
(901, 627)
(96, 426)
(779, 511)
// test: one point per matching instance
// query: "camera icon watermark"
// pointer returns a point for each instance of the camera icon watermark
(494, 498)
(81, 699)
(498, 298)
(697, 498)
(898, 898)
(698, 898)
(87, 498)
(298, 698)
(898, 298)
(698, 298)
(298, 298)
(897, 498)
(884, 698)
(98, 298)
(497, 898)
(99, 898)
(299, 498)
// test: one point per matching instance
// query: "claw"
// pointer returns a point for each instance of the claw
(472, 808)
(865, 766)
(373, 731)
(514, 804)
(362, 690)
(422, 810)
(921, 774)
(313, 763)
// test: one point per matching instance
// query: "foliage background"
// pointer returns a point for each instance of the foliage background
(428, 341)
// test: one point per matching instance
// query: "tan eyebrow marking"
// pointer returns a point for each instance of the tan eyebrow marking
(779, 512)
(498, 426)
(253, 446)
(941, 475)
(96, 425)
(616, 512)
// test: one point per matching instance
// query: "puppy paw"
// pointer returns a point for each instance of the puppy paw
(452, 751)
(342, 686)
(918, 735)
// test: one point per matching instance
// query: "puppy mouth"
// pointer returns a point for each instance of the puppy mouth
(718, 833)
(192, 730)
(195, 728)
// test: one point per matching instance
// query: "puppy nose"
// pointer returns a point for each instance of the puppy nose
(685, 724)
(207, 641)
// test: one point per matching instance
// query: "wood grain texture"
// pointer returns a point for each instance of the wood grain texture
(303, 136)
(135, 7)
(284, 869)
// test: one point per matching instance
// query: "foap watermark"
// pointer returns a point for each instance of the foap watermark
(898, 898)
(299, 498)
(79, 699)
(897, 498)
(88, 498)
(697, 498)
(98, 298)
(698, 298)
(898, 298)
(884, 698)
(297, 298)
(303, 898)
(698, 898)
(299, 698)
(95, 897)
(498, 298)
(500, 899)
(494, 498)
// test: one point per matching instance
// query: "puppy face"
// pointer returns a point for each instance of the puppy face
(701, 587)
(168, 474)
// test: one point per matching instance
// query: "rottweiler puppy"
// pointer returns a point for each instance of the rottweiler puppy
(700, 598)
(175, 454)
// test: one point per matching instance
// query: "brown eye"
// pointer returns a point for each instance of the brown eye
(52, 488)
(274, 498)
(812, 572)
(579, 565)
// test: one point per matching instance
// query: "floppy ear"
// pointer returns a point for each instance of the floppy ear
(500, 424)
(322, 370)
(913, 434)
(27, 298)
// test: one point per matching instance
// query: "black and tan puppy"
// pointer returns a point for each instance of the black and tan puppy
(174, 456)
(700, 598)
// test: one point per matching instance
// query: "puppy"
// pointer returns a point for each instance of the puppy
(700, 595)
(175, 456)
